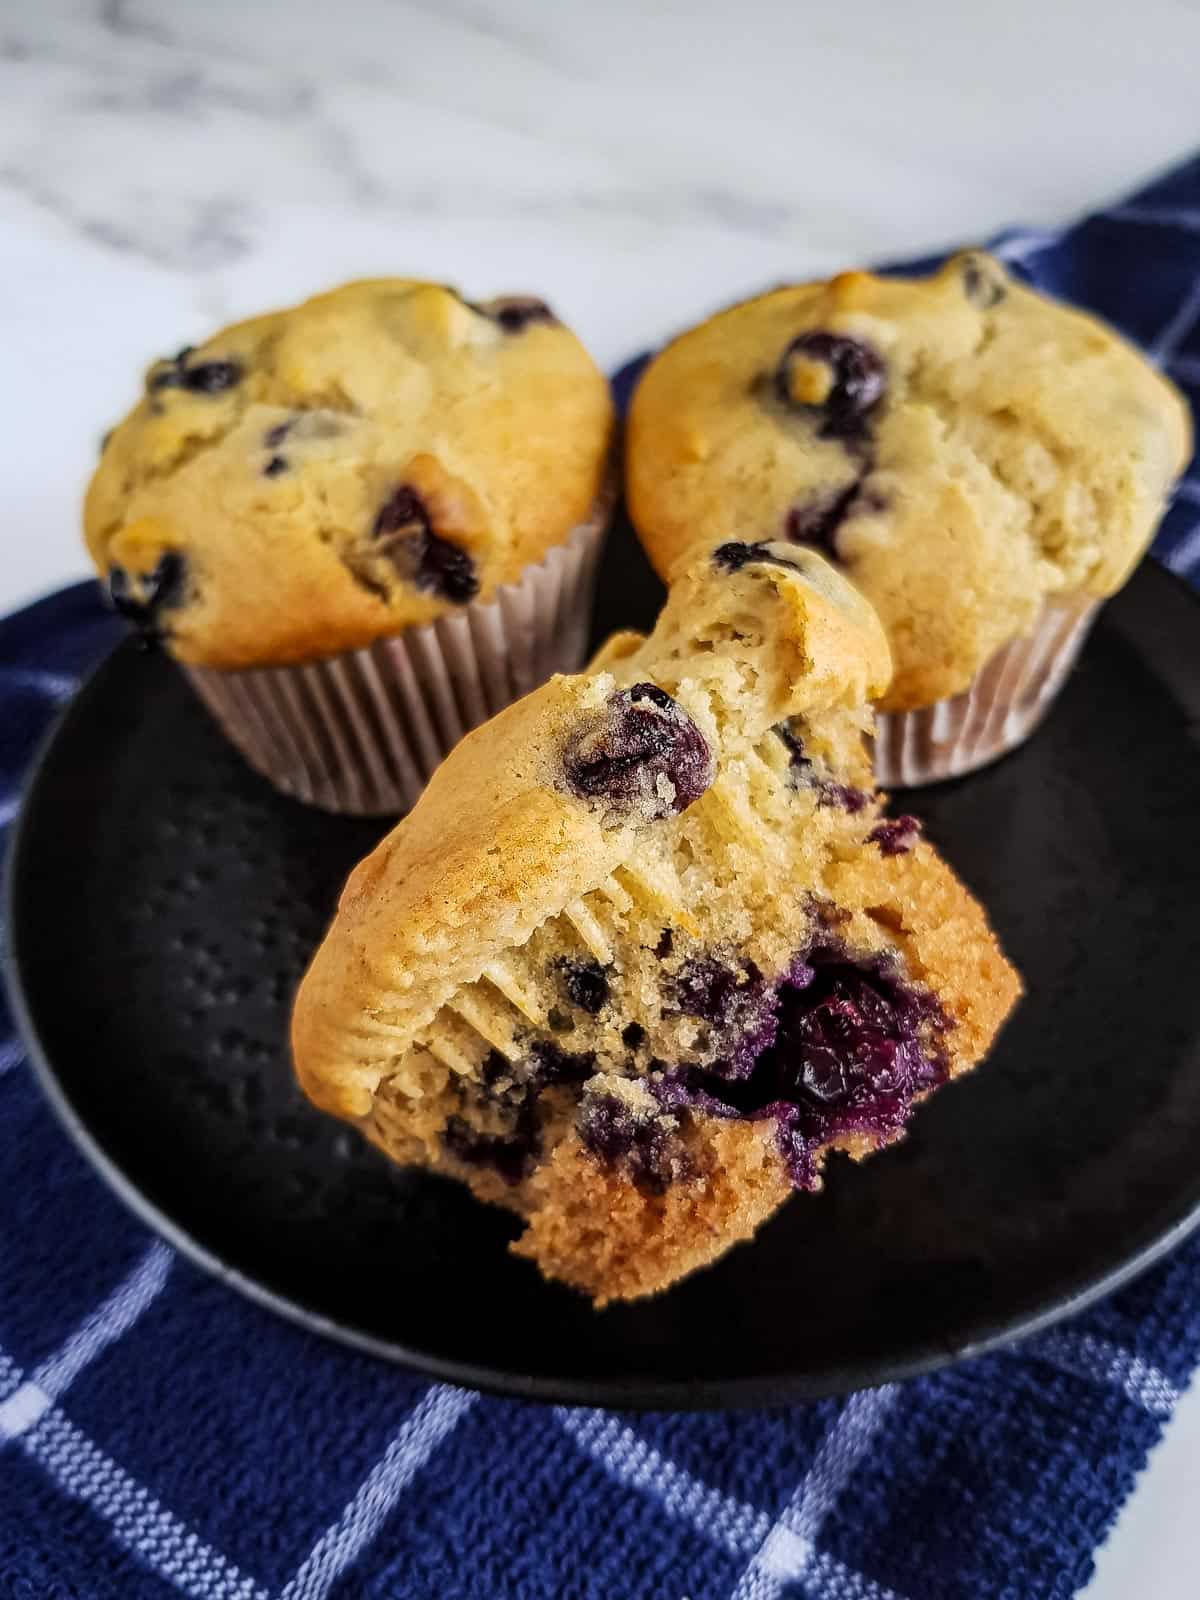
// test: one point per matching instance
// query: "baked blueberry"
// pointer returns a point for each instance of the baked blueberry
(513, 1089)
(837, 379)
(895, 835)
(854, 1049)
(716, 990)
(851, 1046)
(818, 519)
(551, 1064)
(403, 532)
(585, 984)
(732, 557)
(804, 775)
(731, 995)
(640, 1140)
(145, 597)
(511, 1154)
(200, 377)
(641, 752)
(517, 312)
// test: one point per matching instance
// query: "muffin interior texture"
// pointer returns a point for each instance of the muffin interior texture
(311, 480)
(758, 966)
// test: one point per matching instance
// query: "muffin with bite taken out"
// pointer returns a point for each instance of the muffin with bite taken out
(649, 950)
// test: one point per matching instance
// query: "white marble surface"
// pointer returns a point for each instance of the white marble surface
(164, 167)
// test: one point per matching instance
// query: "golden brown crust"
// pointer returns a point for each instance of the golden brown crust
(612, 1241)
(1021, 451)
(505, 436)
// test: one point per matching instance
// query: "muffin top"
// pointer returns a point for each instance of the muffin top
(317, 478)
(964, 447)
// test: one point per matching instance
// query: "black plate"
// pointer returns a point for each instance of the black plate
(164, 901)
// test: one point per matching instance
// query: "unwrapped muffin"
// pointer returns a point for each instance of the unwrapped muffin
(362, 525)
(648, 948)
(985, 464)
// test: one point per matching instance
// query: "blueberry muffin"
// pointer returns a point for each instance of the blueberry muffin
(985, 464)
(648, 948)
(377, 479)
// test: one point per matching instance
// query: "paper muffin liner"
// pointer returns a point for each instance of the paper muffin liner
(1002, 707)
(361, 732)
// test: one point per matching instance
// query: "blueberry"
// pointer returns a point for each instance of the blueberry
(633, 1035)
(145, 597)
(606, 1126)
(403, 532)
(895, 835)
(543, 1064)
(851, 1047)
(794, 745)
(641, 751)
(212, 377)
(505, 1081)
(712, 989)
(817, 521)
(550, 1064)
(732, 997)
(513, 1088)
(403, 512)
(823, 1077)
(275, 466)
(517, 312)
(856, 382)
(275, 436)
(733, 557)
(585, 984)
(512, 1154)
(648, 1149)
(983, 282)
(842, 795)
(803, 776)
(205, 377)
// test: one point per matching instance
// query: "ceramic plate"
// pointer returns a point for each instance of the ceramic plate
(164, 901)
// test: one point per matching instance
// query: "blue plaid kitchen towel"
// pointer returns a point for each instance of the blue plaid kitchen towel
(159, 1435)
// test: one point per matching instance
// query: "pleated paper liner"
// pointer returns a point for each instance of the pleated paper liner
(1002, 707)
(361, 732)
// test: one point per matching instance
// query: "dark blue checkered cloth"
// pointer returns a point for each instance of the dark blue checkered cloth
(160, 1435)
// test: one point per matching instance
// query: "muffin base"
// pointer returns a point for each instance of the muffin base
(999, 711)
(361, 732)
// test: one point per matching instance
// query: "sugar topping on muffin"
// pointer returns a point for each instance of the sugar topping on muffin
(648, 948)
(965, 448)
(315, 479)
